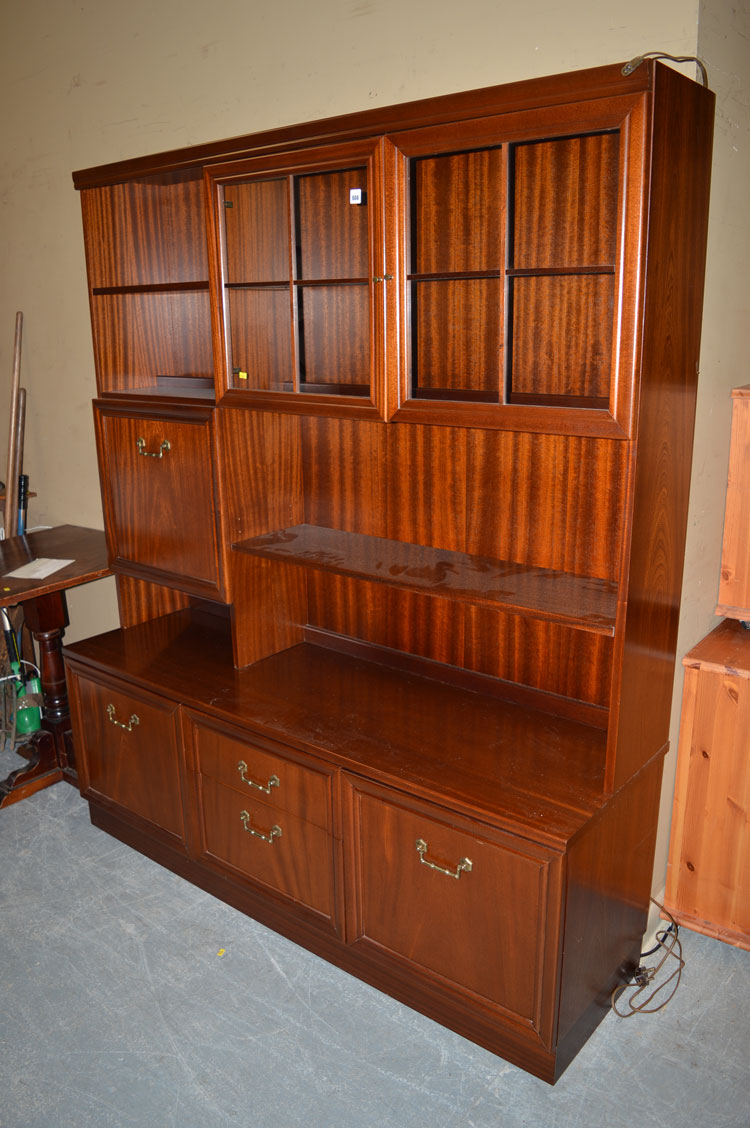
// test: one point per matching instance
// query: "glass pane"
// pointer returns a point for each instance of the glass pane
(457, 339)
(332, 226)
(261, 339)
(565, 194)
(457, 212)
(256, 224)
(562, 338)
(334, 336)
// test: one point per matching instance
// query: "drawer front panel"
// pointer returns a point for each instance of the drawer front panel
(272, 847)
(471, 906)
(159, 499)
(127, 750)
(262, 774)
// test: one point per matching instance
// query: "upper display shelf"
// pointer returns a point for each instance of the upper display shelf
(474, 263)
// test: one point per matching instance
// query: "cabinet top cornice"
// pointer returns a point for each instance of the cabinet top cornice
(598, 82)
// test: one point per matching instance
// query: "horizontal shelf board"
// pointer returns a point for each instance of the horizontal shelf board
(455, 276)
(179, 390)
(582, 602)
(154, 288)
(521, 768)
(558, 271)
(281, 285)
(256, 285)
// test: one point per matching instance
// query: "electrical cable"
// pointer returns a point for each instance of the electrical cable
(643, 977)
(636, 62)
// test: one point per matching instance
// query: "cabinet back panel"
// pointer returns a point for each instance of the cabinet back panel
(139, 337)
(562, 336)
(540, 655)
(261, 338)
(565, 202)
(261, 484)
(256, 219)
(332, 233)
(458, 213)
(145, 232)
(554, 501)
(457, 337)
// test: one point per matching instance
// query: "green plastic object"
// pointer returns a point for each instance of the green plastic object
(28, 712)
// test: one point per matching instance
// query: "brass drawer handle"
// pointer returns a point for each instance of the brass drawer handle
(265, 788)
(121, 724)
(141, 444)
(274, 832)
(464, 865)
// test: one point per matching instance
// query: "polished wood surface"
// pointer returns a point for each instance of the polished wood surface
(708, 875)
(85, 548)
(514, 763)
(662, 456)
(734, 585)
(158, 499)
(130, 752)
(502, 897)
(426, 545)
(578, 600)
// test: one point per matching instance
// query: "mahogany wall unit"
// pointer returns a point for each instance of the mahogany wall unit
(395, 422)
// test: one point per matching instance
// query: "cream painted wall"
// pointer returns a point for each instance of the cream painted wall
(85, 82)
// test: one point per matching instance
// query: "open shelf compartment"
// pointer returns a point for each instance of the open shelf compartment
(584, 602)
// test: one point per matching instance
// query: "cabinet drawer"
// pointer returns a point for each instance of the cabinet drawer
(127, 749)
(260, 774)
(465, 903)
(289, 855)
(159, 498)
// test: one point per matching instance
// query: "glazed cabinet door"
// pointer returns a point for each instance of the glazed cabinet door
(457, 903)
(516, 236)
(299, 276)
(158, 486)
(127, 748)
(265, 817)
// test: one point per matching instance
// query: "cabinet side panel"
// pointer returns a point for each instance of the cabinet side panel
(682, 131)
(734, 589)
(608, 883)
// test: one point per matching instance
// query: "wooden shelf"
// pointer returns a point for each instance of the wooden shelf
(583, 602)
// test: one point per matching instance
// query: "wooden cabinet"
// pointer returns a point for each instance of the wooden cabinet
(158, 494)
(456, 903)
(734, 585)
(129, 751)
(265, 816)
(415, 550)
(708, 877)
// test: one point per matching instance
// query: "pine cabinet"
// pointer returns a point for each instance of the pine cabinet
(394, 415)
(708, 877)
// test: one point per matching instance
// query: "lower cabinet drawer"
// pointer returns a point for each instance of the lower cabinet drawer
(467, 905)
(256, 769)
(127, 746)
(272, 847)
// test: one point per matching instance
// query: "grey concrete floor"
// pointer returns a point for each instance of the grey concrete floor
(128, 997)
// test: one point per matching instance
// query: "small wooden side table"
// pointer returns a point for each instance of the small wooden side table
(50, 751)
(708, 875)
